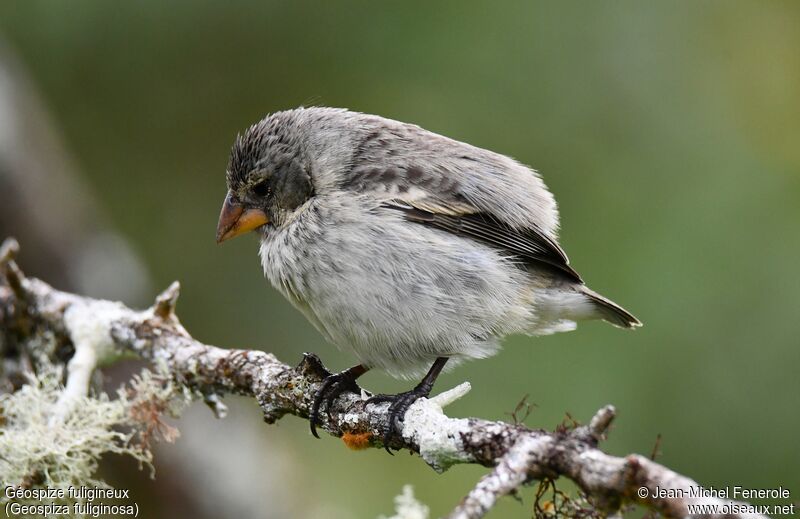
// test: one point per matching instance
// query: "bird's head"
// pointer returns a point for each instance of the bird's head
(268, 178)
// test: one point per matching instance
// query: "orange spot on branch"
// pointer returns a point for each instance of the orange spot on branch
(357, 441)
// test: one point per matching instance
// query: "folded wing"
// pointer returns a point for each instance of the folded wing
(458, 188)
(530, 245)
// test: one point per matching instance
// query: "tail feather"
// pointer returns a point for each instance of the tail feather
(610, 311)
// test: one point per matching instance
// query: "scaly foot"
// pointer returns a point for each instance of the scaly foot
(400, 402)
(332, 386)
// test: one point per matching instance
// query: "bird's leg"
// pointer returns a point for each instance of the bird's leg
(402, 401)
(332, 386)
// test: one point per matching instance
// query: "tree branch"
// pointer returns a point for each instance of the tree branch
(516, 453)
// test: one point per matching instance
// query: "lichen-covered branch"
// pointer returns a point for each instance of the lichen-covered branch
(517, 454)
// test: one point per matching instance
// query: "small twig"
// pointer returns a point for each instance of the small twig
(598, 426)
(656, 452)
(12, 274)
(8, 250)
(568, 424)
(215, 403)
(511, 472)
(166, 301)
(522, 404)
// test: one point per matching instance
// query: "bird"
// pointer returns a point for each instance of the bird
(408, 249)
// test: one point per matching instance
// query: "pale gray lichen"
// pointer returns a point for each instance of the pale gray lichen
(406, 506)
(88, 325)
(438, 436)
(35, 453)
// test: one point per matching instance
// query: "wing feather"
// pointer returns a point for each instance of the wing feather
(531, 245)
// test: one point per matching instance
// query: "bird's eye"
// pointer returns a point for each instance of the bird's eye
(261, 189)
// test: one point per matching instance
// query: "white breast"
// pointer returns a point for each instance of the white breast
(395, 294)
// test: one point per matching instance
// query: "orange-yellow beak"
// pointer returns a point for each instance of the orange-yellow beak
(234, 219)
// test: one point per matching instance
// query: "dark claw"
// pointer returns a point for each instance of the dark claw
(311, 362)
(400, 402)
(398, 406)
(332, 387)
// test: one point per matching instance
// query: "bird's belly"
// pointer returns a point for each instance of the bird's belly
(397, 294)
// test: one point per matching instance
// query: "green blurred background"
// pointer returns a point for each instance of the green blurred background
(668, 131)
